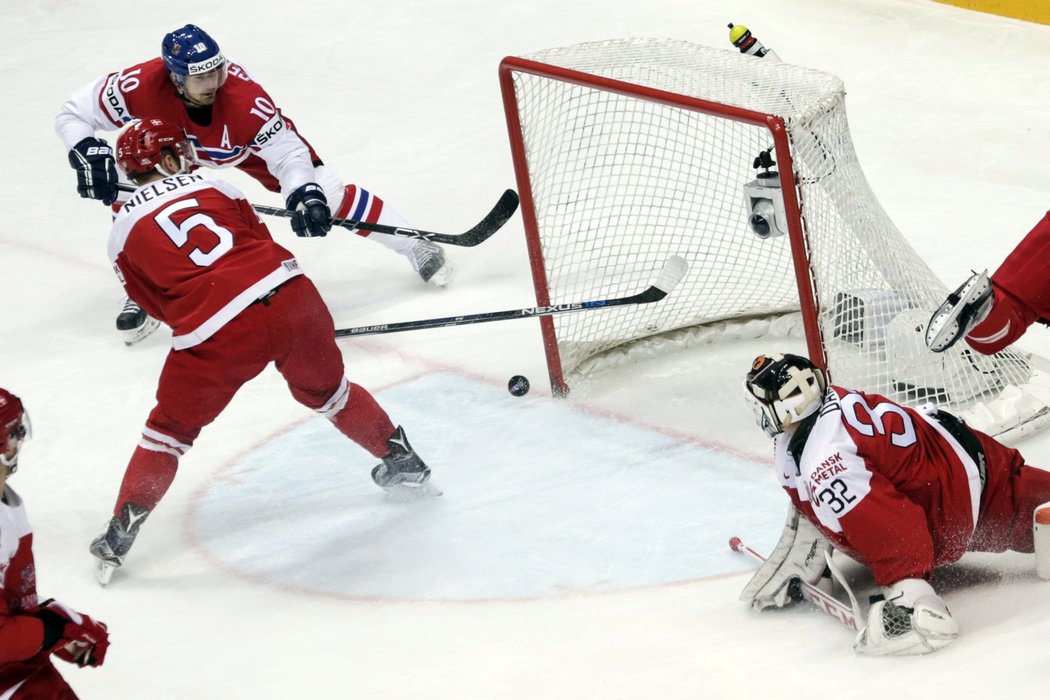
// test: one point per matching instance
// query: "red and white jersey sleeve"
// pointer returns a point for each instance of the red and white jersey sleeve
(20, 632)
(194, 254)
(887, 484)
(243, 120)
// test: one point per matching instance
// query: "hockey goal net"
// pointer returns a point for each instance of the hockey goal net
(630, 151)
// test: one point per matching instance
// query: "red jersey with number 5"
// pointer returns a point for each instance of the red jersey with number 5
(194, 254)
(887, 484)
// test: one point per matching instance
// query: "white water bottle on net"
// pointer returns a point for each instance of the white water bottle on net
(629, 151)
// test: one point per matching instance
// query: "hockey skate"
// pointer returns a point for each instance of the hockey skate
(961, 311)
(110, 548)
(402, 473)
(428, 259)
(135, 324)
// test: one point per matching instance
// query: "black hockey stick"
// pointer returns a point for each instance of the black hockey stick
(479, 233)
(493, 221)
(671, 274)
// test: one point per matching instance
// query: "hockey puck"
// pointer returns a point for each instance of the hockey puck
(518, 385)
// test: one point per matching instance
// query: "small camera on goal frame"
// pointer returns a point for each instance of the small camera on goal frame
(764, 200)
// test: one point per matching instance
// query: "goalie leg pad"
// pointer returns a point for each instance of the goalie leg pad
(1041, 539)
(798, 556)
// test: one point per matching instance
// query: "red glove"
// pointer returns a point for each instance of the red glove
(83, 641)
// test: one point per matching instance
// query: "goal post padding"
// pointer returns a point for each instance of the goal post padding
(629, 151)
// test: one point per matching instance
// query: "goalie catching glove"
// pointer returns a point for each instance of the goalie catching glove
(798, 556)
(911, 619)
(72, 636)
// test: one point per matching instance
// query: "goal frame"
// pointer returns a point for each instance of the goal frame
(809, 303)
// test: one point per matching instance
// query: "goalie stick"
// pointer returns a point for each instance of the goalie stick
(479, 233)
(670, 275)
(807, 591)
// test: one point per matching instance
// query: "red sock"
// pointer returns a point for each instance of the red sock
(146, 480)
(364, 421)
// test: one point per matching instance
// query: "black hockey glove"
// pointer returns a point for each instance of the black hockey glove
(311, 215)
(96, 172)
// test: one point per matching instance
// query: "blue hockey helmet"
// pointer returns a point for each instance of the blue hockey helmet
(190, 51)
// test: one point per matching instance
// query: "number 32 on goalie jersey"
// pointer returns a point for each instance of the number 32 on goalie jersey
(855, 437)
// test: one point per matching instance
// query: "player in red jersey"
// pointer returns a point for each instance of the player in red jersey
(898, 489)
(991, 313)
(194, 254)
(32, 632)
(231, 122)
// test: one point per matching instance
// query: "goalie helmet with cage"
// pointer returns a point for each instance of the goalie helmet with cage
(141, 146)
(783, 389)
(14, 429)
(188, 51)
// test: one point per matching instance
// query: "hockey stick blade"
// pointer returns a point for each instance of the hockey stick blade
(825, 601)
(481, 232)
(670, 275)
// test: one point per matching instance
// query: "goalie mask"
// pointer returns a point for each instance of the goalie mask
(783, 389)
(141, 146)
(14, 429)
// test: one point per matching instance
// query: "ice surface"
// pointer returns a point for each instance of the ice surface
(580, 548)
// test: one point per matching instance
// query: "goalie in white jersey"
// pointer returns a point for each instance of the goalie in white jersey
(900, 490)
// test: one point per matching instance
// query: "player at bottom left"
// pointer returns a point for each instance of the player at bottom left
(194, 254)
(31, 631)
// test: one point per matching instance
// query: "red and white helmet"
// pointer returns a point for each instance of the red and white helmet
(141, 146)
(14, 429)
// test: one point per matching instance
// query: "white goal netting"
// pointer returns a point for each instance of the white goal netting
(630, 151)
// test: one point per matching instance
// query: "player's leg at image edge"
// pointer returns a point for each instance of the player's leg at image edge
(961, 311)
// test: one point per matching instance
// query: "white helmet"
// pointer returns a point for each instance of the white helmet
(783, 389)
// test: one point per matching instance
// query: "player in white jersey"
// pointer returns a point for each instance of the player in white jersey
(231, 122)
(900, 490)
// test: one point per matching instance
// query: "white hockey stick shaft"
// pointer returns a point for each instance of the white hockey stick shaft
(826, 602)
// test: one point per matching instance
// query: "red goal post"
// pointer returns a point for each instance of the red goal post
(629, 151)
